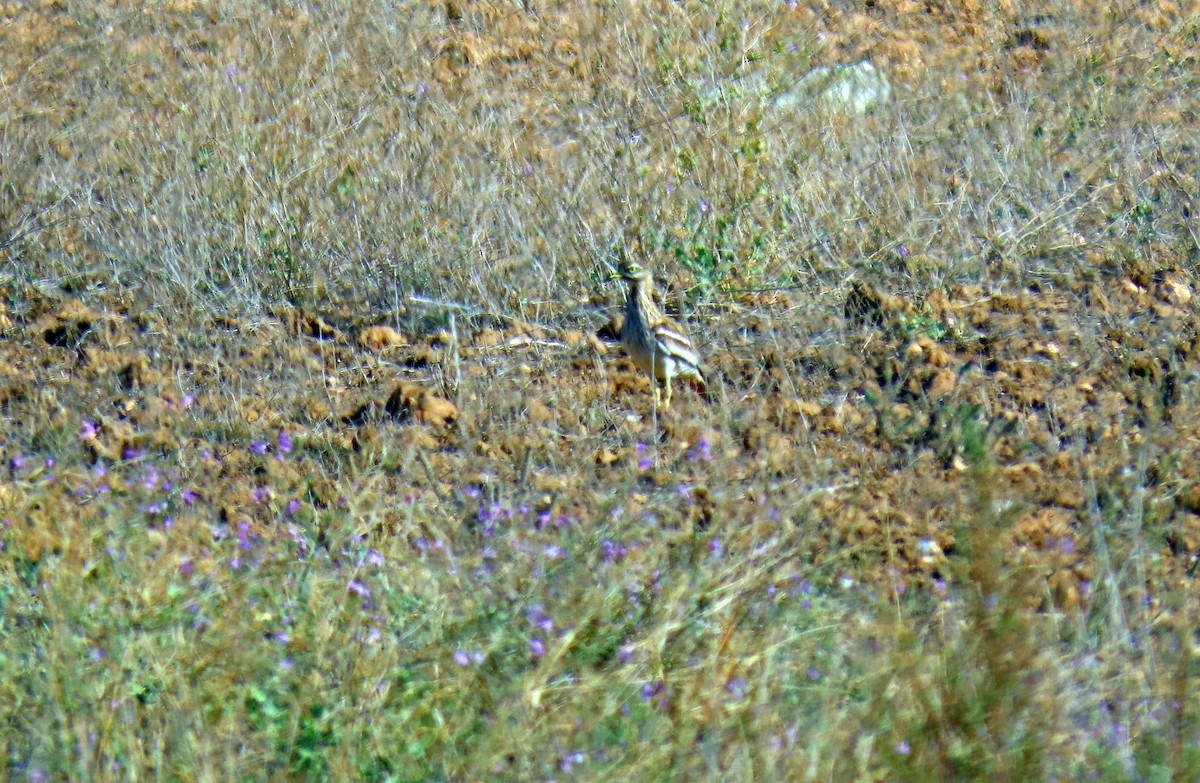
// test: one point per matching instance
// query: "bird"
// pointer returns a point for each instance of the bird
(658, 345)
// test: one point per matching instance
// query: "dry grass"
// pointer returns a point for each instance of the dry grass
(940, 523)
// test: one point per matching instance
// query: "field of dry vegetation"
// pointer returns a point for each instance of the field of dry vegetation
(320, 460)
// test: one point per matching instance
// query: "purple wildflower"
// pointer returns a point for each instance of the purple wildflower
(539, 619)
(651, 689)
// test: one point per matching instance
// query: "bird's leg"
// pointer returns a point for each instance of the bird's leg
(667, 398)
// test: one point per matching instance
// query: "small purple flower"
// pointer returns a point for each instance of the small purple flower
(537, 648)
(703, 206)
(539, 619)
(187, 401)
(625, 653)
(18, 463)
(374, 558)
(189, 497)
(670, 188)
(471, 491)
(651, 689)
(714, 548)
(259, 447)
(570, 760)
(612, 550)
(737, 687)
(129, 454)
(285, 443)
(89, 430)
(685, 492)
(358, 588)
(903, 748)
(186, 568)
(477, 657)
(99, 470)
(461, 657)
(902, 251)
(150, 478)
(260, 495)
(235, 563)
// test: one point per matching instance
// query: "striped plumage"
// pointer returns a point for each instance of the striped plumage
(658, 345)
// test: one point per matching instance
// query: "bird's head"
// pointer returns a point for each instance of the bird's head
(631, 271)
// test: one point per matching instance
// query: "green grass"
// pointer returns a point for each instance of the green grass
(210, 570)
